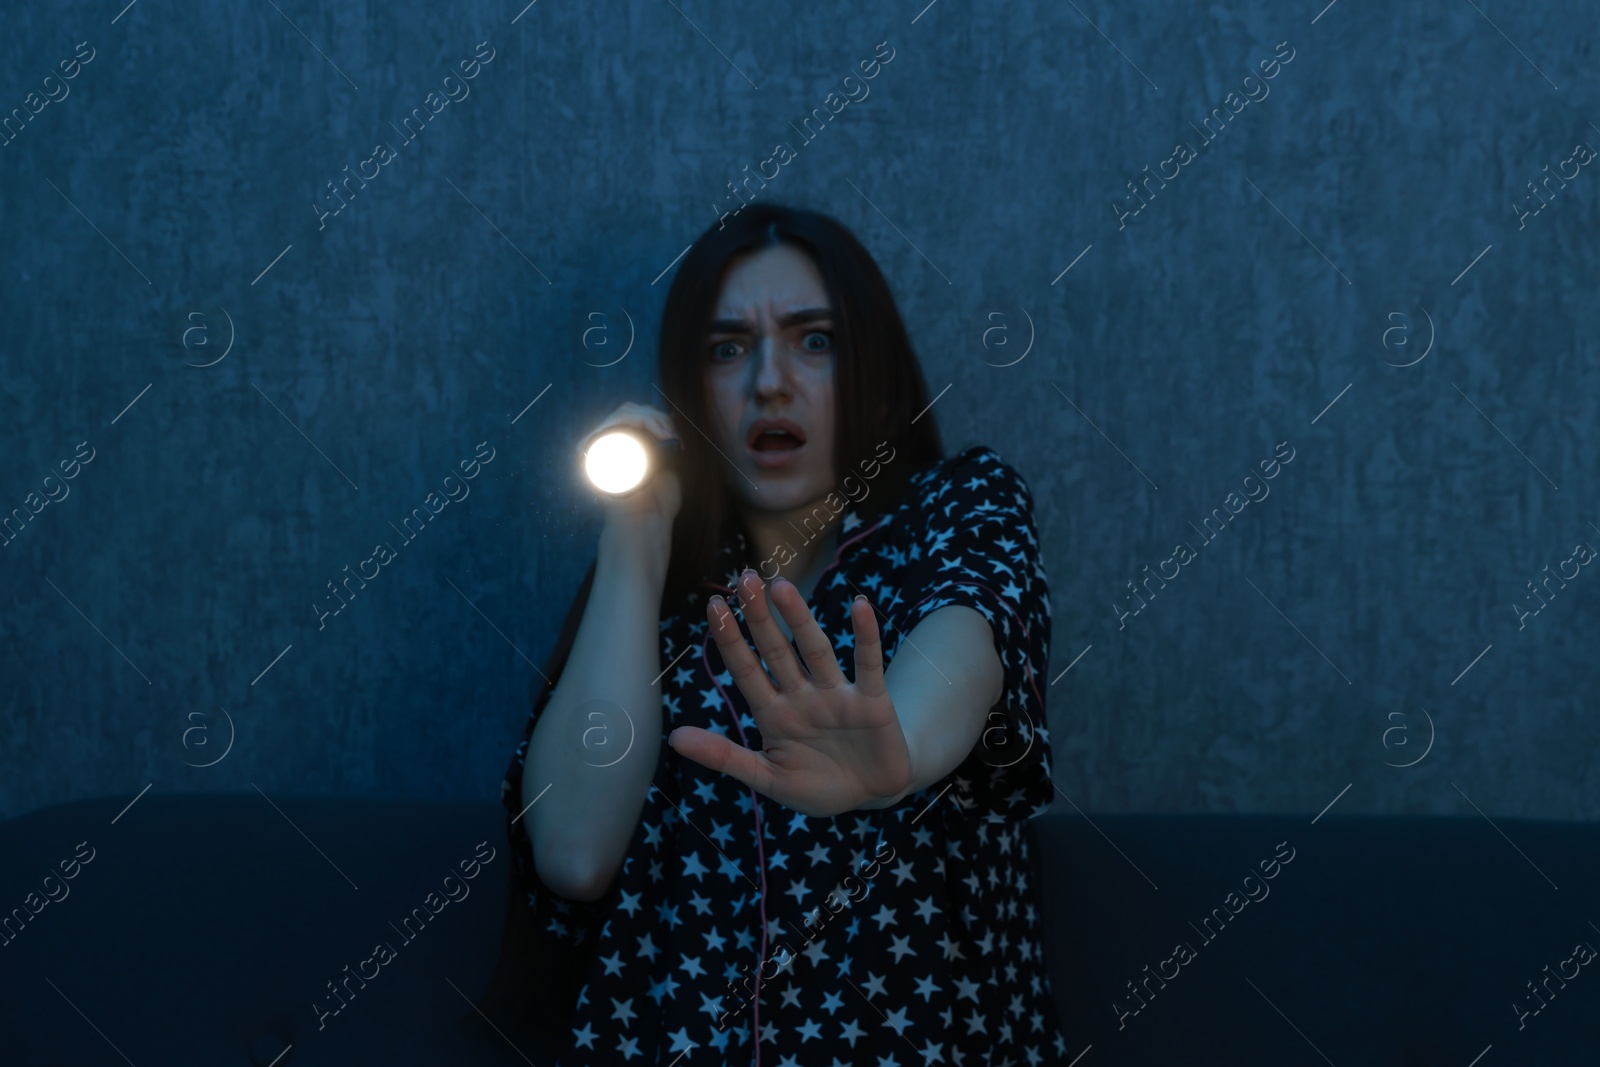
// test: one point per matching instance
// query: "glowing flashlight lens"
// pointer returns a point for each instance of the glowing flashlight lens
(615, 462)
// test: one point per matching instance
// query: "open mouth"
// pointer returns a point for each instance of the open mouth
(775, 441)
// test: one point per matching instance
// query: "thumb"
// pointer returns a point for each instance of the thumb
(720, 754)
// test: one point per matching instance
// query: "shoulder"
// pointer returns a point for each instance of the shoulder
(969, 483)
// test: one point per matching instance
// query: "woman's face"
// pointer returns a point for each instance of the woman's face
(769, 355)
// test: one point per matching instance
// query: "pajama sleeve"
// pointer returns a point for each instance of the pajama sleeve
(975, 543)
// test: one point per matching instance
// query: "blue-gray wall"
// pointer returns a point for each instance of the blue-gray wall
(1361, 209)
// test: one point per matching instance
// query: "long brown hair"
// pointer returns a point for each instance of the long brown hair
(878, 383)
(879, 395)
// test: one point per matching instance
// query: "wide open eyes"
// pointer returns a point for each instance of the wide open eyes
(815, 342)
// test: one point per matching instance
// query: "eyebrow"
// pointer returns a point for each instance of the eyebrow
(792, 318)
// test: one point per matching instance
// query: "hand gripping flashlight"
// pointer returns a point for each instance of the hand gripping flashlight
(618, 461)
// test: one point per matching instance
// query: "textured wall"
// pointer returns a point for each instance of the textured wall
(1349, 276)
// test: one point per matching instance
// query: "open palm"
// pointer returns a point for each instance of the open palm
(828, 745)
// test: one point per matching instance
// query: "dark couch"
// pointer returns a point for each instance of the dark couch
(203, 929)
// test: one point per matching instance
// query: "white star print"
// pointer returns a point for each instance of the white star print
(963, 534)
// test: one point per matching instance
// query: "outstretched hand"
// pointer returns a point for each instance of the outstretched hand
(828, 746)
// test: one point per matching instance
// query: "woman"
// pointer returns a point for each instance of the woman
(827, 865)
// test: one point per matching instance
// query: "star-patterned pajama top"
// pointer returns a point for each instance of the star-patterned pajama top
(894, 937)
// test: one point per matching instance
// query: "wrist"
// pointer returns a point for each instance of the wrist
(635, 549)
(889, 800)
(909, 785)
(878, 803)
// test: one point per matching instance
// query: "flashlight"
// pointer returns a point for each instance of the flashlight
(619, 461)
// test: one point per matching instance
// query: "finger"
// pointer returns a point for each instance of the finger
(869, 647)
(774, 647)
(741, 662)
(816, 651)
(720, 754)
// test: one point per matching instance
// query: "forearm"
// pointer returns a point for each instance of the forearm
(943, 681)
(593, 753)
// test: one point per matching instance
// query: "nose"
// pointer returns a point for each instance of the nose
(772, 369)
